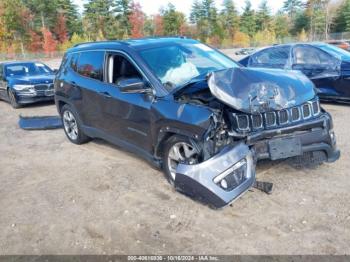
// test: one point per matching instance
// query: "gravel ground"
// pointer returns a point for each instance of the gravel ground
(59, 198)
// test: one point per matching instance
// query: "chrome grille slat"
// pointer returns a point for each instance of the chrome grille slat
(306, 108)
(243, 122)
(283, 117)
(270, 119)
(257, 121)
(273, 119)
(316, 107)
(295, 114)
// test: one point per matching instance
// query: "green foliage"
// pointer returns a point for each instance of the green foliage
(172, 20)
(263, 38)
(281, 25)
(98, 16)
(248, 20)
(230, 19)
(342, 20)
(123, 11)
(292, 7)
(263, 16)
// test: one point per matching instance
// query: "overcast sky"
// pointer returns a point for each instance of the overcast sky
(152, 6)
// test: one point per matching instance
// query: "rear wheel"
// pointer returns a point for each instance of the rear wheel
(178, 150)
(72, 126)
(13, 99)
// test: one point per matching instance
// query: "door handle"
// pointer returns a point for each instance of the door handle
(106, 94)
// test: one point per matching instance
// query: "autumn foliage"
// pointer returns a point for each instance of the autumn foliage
(137, 20)
(49, 43)
(61, 29)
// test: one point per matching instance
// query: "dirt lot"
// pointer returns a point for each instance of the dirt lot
(58, 198)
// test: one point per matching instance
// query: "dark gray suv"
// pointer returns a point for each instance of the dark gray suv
(191, 110)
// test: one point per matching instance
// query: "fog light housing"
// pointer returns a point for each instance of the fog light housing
(232, 177)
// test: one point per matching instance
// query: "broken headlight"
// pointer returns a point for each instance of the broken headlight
(232, 177)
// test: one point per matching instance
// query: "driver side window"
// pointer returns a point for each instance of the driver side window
(120, 68)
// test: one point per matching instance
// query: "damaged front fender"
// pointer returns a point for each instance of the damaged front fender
(221, 179)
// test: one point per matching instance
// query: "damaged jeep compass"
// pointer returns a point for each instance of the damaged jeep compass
(192, 111)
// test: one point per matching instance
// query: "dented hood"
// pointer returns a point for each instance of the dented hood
(260, 90)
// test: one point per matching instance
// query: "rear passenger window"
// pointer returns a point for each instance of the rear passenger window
(90, 64)
(311, 56)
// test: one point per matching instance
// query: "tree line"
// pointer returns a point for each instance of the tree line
(55, 25)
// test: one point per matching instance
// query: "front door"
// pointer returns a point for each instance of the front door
(126, 115)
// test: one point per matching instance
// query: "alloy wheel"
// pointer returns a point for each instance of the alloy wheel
(181, 153)
(70, 125)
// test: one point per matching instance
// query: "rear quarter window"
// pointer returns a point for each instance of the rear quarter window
(90, 64)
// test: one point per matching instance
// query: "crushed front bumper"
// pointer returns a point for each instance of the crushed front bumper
(201, 180)
(314, 135)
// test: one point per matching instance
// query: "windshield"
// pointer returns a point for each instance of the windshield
(178, 64)
(24, 69)
(335, 51)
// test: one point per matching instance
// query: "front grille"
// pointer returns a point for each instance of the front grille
(306, 111)
(295, 114)
(283, 117)
(243, 122)
(270, 120)
(41, 87)
(257, 121)
(316, 107)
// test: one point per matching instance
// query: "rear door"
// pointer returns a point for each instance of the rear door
(88, 82)
(319, 66)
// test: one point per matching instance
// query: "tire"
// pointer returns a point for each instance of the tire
(13, 100)
(168, 154)
(72, 127)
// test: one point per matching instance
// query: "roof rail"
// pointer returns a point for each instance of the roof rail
(94, 42)
(124, 42)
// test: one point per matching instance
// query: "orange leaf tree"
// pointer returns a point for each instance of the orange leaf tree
(137, 20)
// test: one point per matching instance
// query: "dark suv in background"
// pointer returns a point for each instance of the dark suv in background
(192, 111)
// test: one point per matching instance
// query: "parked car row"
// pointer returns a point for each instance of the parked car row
(189, 109)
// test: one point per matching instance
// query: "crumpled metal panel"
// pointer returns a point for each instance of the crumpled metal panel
(40, 122)
(260, 90)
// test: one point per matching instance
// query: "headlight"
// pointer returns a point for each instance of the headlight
(232, 177)
(24, 88)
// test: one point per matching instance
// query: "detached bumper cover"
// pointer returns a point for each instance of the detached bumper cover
(198, 180)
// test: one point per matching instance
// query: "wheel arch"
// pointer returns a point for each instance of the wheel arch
(166, 133)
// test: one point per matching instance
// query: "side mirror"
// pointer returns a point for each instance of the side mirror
(133, 86)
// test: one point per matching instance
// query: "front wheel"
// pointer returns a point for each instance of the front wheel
(178, 150)
(13, 99)
(72, 127)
